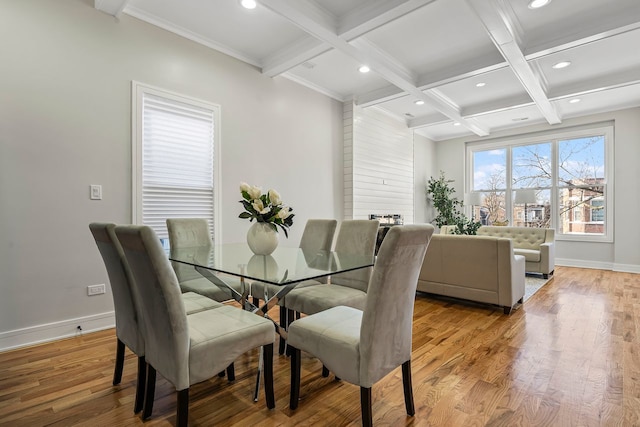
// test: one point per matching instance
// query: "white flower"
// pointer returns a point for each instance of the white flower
(274, 197)
(244, 187)
(254, 192)
(259, 207)
(284, 213)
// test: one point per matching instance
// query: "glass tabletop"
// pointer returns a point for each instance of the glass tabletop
(283, 266)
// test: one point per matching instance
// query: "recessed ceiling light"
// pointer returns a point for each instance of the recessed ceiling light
(536, 4)
(419, 102)
(411, 116)
(562, 64)
(248, 4)
(456, 124)
(364, 69)
(481, 84)
(574, 101)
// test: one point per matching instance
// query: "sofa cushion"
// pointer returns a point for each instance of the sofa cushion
(522, 237)
(529, 255)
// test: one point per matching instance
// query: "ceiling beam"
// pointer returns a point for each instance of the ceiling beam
(112, 7)
(502, 31)
(367, 53)
(351, 26)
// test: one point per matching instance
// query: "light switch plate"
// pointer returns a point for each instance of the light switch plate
(96, 192)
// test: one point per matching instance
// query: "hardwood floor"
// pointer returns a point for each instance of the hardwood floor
(569, 357)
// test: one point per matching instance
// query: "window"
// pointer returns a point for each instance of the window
(174, 158)
(561, 180)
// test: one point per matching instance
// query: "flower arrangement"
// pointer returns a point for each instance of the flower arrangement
(267, 207)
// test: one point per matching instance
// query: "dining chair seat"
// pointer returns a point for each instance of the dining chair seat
(195, 303)
(324, 296)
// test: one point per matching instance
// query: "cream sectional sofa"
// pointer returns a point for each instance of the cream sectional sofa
(537, 245)
(477, 268)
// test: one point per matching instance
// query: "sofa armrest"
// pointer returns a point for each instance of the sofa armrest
(547, 257)
(510, 274)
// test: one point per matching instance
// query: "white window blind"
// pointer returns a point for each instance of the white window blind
(177, 160)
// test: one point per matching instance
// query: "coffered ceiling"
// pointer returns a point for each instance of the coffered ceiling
(478, 65)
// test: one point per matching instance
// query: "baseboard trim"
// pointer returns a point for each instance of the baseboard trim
(597, 265)
(626, 268)
(56, 330)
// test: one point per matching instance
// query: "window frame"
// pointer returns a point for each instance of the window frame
(553, 137)
(138, 90)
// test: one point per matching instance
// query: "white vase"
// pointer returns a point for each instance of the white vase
(262, 238)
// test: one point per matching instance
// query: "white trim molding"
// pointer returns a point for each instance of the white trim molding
(581, 263)
(56, 330)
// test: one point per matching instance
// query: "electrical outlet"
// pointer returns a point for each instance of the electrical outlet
(95, 289)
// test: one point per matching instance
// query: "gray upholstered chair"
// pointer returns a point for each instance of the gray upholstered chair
(317, 236)
(127, 331)
(186, 350)
(362, 347)
(191, 233)
(350, 288)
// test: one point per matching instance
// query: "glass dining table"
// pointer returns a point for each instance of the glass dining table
(286, 268)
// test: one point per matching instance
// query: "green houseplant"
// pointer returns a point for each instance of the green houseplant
(441, 195)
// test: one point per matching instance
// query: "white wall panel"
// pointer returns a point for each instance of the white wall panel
(379, 173)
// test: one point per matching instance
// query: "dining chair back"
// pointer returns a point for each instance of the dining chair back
(357, 237)
(124, 302)
(186, 351)
(362, 347)
(186, 233)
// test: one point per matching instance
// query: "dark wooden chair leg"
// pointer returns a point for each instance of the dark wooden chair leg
(231, 373)
(325, 371)
(507, 310)
(295, 377)
(365, 407)
(182, 413)
(290, 318)
(408, 388)
(283, 324)
(117, 372)
(521, 300)
(140, 385)
(268, 376)
(256, 301)
(221, 374)
(149, 392)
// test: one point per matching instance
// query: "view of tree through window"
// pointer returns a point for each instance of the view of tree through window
(559, 183)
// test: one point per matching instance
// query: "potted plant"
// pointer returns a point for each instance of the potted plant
(441, 195)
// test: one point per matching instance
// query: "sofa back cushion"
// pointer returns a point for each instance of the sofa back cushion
(461, 260)
(522, 237)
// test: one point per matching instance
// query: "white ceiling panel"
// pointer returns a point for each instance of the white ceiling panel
(592, 61)
(427, 40)
(600, 102)
(339, 74)
(433, 50)
(443, 131)
(255, 33)
(494, 86)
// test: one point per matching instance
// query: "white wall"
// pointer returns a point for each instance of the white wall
(65, 123)
(425, 166)
(379, 172)
(624, 253)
